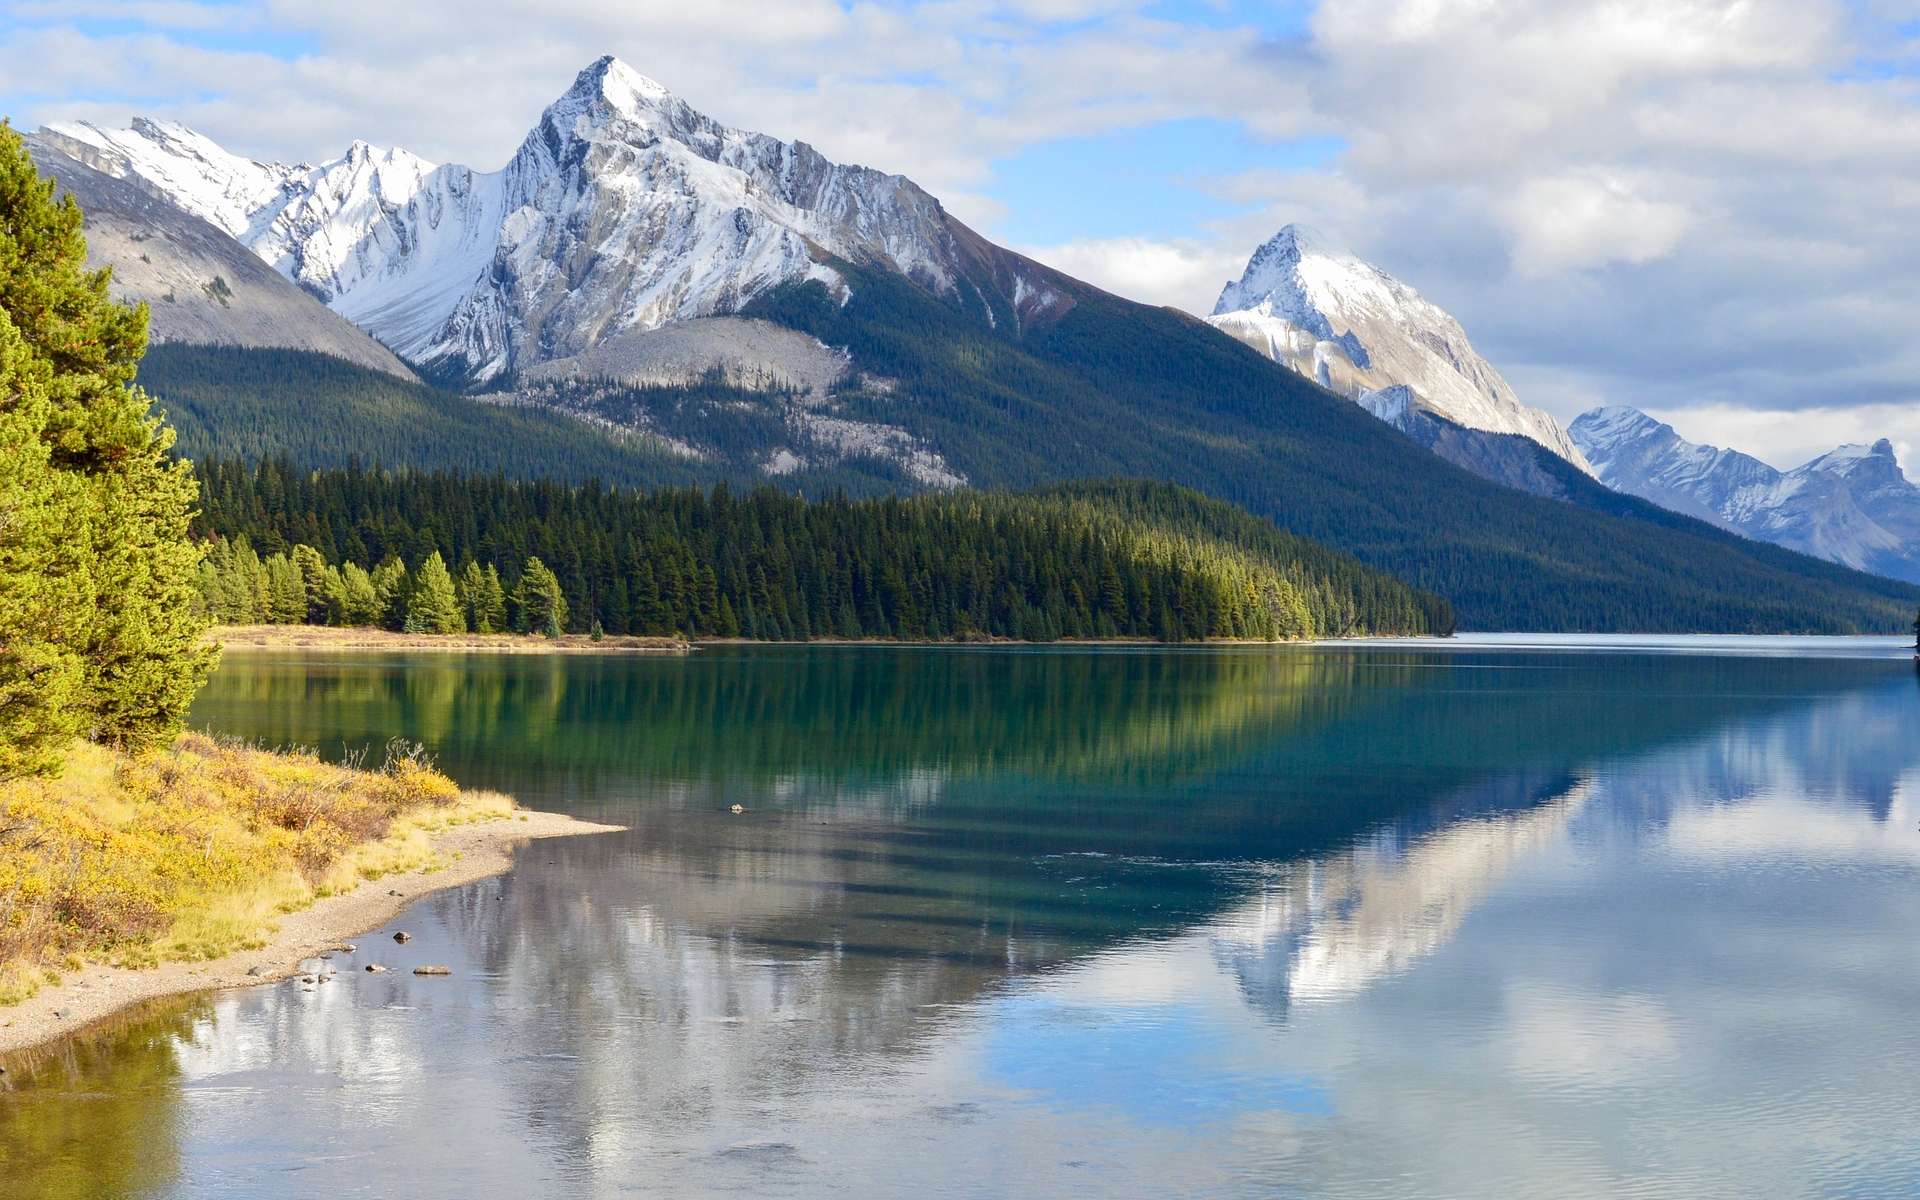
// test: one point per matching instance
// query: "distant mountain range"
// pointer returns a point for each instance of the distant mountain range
(643, 294)
(623, 209)
(1852, 505)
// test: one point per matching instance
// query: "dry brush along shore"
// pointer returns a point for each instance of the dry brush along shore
(216, 864)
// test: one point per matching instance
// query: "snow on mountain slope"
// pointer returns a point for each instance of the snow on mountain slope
(623, 209)
(191, 170)
(1852, 505)
(1356, 329)
(201, 286)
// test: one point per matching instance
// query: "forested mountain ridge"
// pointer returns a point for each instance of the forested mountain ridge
(1112, 559)
(1110, 387)
(318, 411)
(1281, 448)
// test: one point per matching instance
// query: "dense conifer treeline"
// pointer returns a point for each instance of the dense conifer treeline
(1136, 560)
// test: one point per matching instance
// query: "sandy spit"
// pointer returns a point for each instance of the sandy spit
(98, 991)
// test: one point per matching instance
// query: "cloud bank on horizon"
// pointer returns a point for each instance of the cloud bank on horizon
(1703, 208)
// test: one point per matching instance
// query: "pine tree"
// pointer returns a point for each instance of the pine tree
(129, 569)
(542, 602)
(41, 583)
(390, 588)
(472, 588)
(286, 594)
(492, 606)
(360, 600)
(433, 607)
(313, 583)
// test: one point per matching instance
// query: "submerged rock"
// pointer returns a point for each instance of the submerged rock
(403, 938)
(375, 967)
(432, 969)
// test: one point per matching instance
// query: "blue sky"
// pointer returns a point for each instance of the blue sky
(1700, 207)
(1151, 179)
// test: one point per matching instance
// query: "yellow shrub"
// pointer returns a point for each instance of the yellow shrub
(192, 852)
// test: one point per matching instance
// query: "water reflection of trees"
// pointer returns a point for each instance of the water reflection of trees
(97, 1114)
(851, 714)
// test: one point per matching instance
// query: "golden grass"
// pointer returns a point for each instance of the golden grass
(192, 853)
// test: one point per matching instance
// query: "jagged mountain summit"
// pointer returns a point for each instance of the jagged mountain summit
(1357, 330)
(200, 285)
(622, 210)
(1852, 505)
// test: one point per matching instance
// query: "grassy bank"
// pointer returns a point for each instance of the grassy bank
(331, 637)
(195, 852)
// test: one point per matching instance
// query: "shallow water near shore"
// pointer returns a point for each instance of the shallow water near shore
(1506, 917)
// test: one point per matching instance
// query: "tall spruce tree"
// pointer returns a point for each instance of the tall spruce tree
(127, 572)
(492, 605)
(542, 601)
(433, 606)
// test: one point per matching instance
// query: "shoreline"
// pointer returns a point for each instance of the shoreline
(85, 998)
(333, 637)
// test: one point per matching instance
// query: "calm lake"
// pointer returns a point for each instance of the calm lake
(1527, 918)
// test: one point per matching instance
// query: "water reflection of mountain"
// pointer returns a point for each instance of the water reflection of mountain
(1329, 927)
(1325, 927)
(1337, 852)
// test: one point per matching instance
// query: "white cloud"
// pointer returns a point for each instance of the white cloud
(1573, 222)
(1184, 274)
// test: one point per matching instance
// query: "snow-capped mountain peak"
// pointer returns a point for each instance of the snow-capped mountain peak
(1853, 460)
(1312, 305)
(620, 85)
(624, 208)
(1288, 269)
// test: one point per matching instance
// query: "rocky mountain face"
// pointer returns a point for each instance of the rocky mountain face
(1506, 458)
(1852, 505)
(623, 209)
(1358, 331)
(200, 285)
(794, 382)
